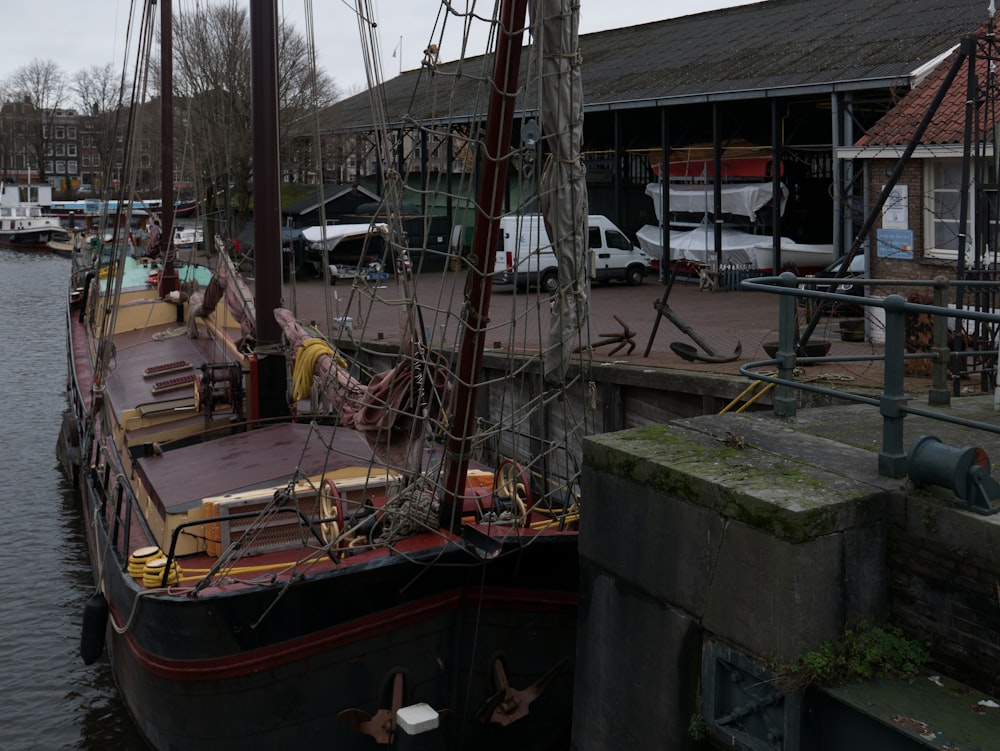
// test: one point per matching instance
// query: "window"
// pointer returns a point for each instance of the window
(71, 132)
(60, 167)
(86, 160)
(71, 168)
(593, 237)
(60, 131)
(60, 149)
(944, 201)
(71, 149)
(617, 240)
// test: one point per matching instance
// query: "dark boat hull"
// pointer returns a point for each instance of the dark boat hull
(273, 667)
(35, 238)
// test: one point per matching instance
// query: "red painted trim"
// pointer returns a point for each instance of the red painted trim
(357, 630)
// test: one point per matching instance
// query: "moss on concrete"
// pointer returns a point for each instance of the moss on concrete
(792, 499)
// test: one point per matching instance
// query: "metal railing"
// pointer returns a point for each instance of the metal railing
(893, 406)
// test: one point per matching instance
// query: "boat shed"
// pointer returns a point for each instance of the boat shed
(337, 200)
(769, 91)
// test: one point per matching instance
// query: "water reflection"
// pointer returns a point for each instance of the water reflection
(52, 700)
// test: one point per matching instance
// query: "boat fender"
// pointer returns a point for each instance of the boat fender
(95, 622)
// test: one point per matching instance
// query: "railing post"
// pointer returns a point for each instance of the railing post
(784, 396)
(892, 459)
(939, 393)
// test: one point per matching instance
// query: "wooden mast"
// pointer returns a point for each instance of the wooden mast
(168, 278)
(270, 399)
(489, 204)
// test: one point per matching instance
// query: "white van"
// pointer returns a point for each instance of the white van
(526, 258)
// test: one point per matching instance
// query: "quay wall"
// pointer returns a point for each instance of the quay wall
(715, 548)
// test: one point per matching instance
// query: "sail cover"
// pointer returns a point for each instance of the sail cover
(563, 188)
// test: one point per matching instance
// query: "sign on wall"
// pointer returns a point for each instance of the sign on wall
(895, 214)
(895, 243)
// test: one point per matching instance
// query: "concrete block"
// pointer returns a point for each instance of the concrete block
(772, 598)
(637, 669)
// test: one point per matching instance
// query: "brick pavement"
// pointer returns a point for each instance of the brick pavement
(720, 319)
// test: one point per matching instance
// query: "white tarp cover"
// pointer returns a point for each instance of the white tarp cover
(803, 255)
(698, 245)
(334, 233)
(563, 188)
(745, 199)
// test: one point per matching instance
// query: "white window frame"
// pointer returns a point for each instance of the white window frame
(932, 221)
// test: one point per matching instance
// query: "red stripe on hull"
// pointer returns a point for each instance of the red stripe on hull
(373, 626)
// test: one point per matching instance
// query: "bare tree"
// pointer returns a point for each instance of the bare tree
(212, 96)
(42, 84)
(98, 92)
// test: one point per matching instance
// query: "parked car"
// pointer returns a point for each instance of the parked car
(856, 270)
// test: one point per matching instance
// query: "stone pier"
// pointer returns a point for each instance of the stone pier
(715, 547)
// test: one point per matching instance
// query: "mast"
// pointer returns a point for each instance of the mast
(489, 205)
(270, 399)
(168, 279)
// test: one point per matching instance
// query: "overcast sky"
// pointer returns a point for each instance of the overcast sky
(76, 34)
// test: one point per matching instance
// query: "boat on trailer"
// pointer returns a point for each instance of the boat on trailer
(293, 550)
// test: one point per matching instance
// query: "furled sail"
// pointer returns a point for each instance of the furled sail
(563, 193)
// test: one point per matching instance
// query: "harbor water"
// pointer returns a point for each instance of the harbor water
(51, 699)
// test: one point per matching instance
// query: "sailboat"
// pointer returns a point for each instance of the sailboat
(293, 549)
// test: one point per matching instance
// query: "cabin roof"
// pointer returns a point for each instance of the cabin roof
(331, 192)
(777, 47)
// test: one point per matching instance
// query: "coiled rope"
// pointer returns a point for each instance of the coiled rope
(305, 364)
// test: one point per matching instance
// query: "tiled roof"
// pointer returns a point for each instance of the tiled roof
(947, 125)
(777, 46)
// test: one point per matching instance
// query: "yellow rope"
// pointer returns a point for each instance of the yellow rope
(305, 364)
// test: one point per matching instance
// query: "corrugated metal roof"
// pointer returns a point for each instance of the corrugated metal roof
(791, 45)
